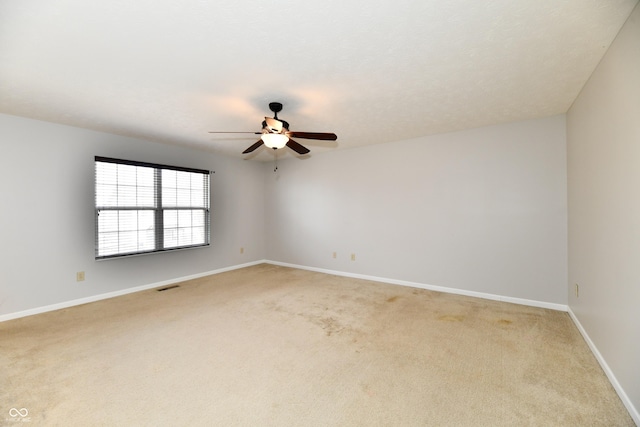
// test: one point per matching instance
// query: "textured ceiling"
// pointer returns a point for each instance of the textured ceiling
(372, 72)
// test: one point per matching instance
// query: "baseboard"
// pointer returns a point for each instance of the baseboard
(633, 411)
(94, 298)
(521, 301)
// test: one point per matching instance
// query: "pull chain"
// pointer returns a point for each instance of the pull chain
(275, 161)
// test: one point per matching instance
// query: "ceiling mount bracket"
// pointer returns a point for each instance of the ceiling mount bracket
(276, 107)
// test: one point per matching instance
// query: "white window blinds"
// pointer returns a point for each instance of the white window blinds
(145, 207)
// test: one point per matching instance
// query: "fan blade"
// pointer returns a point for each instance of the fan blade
(254, 133)
(274, 124)
(297, 147)
(314, 135)
(253, 147)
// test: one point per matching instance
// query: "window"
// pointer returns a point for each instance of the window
(145, 208)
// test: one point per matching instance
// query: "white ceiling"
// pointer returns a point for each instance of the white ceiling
(372, 72)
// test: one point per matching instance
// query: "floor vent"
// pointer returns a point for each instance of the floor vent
(168, 287)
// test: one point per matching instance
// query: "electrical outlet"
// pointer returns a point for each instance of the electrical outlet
(335, 255)
(577, 291)
(80, 276)
(353, 257)
(241, 250)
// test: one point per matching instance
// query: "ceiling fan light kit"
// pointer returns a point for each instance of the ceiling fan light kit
(276, 134)
(274, 140)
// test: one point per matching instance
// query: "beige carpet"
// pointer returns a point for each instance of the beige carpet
(273, 346)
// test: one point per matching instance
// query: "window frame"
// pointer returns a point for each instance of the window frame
(158, 208)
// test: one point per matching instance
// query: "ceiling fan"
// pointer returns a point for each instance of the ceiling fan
(275, 134)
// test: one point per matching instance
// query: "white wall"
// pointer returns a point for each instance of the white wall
(47, 215)
(603, 133)
(482, 210)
